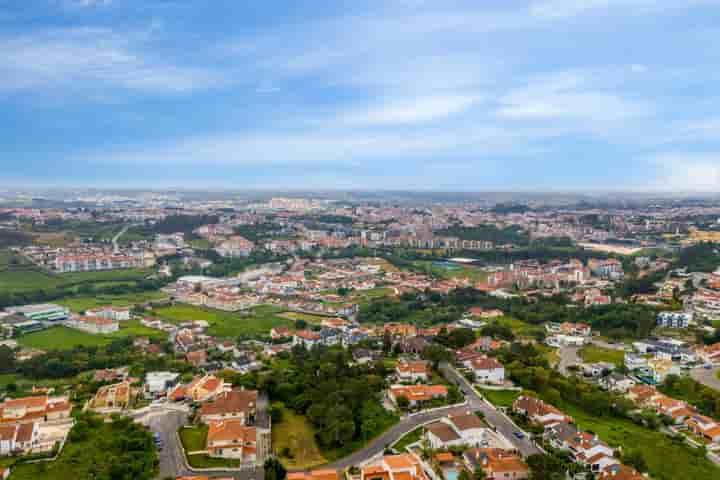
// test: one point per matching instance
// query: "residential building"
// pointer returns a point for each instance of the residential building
(674, 319)
(539, 412)
(232, 439)
(463, 428)
(417, 394)
(394, 467)
(201, 389)
(323, 474)
(112, 397)
(93, 325)
(496, 463)
(704, 427)
(18, 438)
(158, 383)
(117, 314)
(488, 370)
(412, 371)
(34, 409)
(237, 404)
(584, 448)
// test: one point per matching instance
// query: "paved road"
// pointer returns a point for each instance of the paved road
(167, 422)
(117, 237)
(707, 377)
(568, 356)
(492, 416)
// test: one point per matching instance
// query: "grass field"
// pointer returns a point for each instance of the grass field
(61, 338)
(593, 354)
(296, 434)
(309, 318)
(666, 459)
(457, 271)
(80, 304)
(257, 322)
(500, 398)
(519, 328)
(65, 338)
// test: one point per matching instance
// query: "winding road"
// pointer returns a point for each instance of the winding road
(166, 422)
(707, 376)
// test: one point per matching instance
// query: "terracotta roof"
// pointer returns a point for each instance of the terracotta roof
(232, 402)
(466, 421)
(230, 431)
(443, 431)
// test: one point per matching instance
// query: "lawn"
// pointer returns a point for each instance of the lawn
(666, 459)
(472, 273)
(500, 398)
(80, 304)
(61, 338)
(133, 328)
(593, 354)
(297, 435)
(256, 322)
(408, 439)
(194, 440)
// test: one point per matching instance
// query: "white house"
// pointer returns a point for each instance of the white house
(463, 429)
(412, 371)
(488, 370)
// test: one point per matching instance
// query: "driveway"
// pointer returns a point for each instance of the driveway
(707, 377)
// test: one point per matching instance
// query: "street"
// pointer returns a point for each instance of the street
(707, 376)
(492, 416)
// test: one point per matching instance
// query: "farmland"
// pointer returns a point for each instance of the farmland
(65, 338)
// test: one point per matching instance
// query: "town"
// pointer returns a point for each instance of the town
(295, 338)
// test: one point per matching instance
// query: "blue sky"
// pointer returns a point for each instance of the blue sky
(394, 94)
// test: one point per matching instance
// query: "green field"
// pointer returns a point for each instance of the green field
(256, 322)
(25, 277)
(295, 434)
(519, 328)
(80, 304)
(65, 338)
(666, 459)
(61, 338)
(500, 398)
(457, 271)
(309, 318)
(593, 354)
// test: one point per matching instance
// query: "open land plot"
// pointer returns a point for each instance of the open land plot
(256, 321)
(293, 441)
(81, 303)
(65, 338)
(500, 398)
(593, 354)
(308, 317)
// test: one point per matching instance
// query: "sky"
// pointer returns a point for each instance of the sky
(481, 95)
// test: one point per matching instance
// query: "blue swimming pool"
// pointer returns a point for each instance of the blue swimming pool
(450, 474)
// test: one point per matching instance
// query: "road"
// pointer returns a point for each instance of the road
(492, 416)
(568, 356)
(707, 377)
(167, 422)
(609, 346)
(115, 239)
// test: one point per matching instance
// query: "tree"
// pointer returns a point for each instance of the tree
(479, 474)
(274, 470)
(635, 458)
(402, 402)
(7, 359)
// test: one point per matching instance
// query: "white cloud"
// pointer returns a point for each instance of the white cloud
(410, 111)
(687, 171)
(85, 59)
(568, 95)
(558, 9)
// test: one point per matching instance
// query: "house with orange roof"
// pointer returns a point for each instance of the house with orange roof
(496, 463)
(710, 353)
(34, 409)
(200, 389)
(112, 397)
(5, 473)
(401, 330)
(232, 439)
(18, 438)
(642, 394)
(619, 472)
(196, 358)
(394, 467)
(704, 426)
(321, 474)
(238, 404)
(539, 412)
(488, 370)
(417, 394)
(412, 371)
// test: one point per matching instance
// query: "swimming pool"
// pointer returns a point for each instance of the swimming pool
(451, 474)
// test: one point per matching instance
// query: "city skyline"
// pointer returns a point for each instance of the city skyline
(406, 95)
